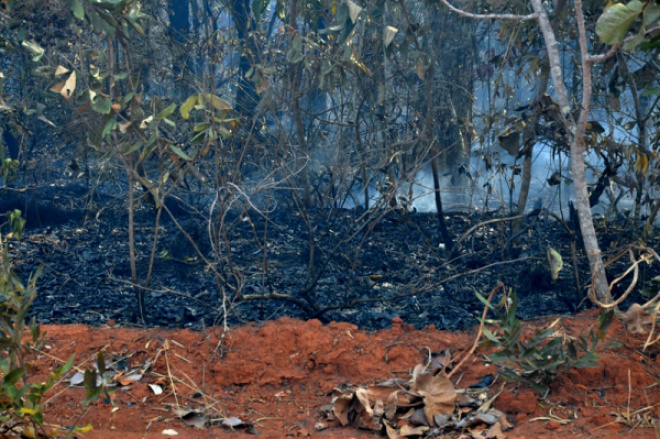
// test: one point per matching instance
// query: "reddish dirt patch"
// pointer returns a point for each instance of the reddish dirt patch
(277, 377)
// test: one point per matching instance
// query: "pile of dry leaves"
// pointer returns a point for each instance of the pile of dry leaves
(426, 405)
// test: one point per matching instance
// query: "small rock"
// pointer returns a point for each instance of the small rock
(553, 425)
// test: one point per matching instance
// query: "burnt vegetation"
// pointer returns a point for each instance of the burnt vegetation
(196, 163)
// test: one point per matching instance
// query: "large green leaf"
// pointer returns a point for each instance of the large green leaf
(613, 25)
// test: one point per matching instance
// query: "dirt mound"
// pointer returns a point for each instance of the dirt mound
(276, 378)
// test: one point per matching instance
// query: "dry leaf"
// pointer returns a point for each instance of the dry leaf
(342, 406)
(388, 34)
(636, 319)
(391, 404)
(353, 10)
(60, 70)
(125, 380)
(441, 362)
(363, 397)
(69, 86)
(494, 432)
(421, 70)
(143, 126)
(407, 430)
(156, 389)
(438, 393)
(233, 422)
(124, 126)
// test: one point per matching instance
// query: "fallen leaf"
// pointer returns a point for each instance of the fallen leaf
(60, 70)
(342, 406)
(233, 422)
(407, 430)
(196, 420)
(494, 432)
(440, 362)
(391, 404)
(77, 379)
(156, 389)
(636, 318)
(438, 393)
(126, 380)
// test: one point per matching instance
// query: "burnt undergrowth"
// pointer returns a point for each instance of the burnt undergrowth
(361, 266)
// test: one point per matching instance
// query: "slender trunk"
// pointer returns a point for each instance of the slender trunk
(529, 139)
(433, 150)
(641, 140)
(589, 238)
(294, 85)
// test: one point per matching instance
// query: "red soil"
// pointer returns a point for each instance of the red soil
(278, 375)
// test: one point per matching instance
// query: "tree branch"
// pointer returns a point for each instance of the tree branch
(513, 17)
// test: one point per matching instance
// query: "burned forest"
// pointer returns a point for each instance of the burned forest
(387, 166)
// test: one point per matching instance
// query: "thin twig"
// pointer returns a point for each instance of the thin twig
(499, 286)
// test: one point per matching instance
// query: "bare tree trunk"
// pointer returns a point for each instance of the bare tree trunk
(589, 238)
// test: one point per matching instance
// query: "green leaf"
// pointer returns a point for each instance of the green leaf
(166, 112)
(65, 367)
(134, 148)
(280, 10)
(295, 54)
(78, 10)
(258, 7)
(605, 320)
(100, 362)
(36, 50)
(225, 133)
(651, 91)
(636, 41)
(12, 377)
(101, 105)
(652, 43)
(188, 105)
(613, 25)
(200, 127)
(137, 27)
(178, 151)
(109, 126)
(490, 336)
(651, 15)
(483, 300)
(197, 136)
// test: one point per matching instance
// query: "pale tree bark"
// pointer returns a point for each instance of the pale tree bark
(575, 129)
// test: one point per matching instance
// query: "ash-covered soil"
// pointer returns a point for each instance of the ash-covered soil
(364, 267)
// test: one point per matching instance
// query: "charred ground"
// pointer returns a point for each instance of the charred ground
(365, 267)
